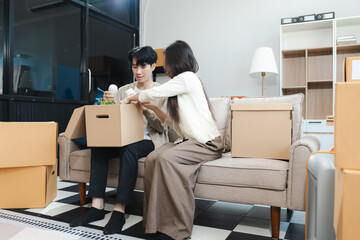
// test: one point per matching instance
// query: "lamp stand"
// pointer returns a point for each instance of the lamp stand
(262, 76)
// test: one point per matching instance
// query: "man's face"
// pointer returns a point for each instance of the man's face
(142, 73)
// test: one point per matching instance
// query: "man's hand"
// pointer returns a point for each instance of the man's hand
(156, 109)
(148, 105)
(108, 96)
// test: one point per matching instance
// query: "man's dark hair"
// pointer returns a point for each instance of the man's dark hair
(143, 55)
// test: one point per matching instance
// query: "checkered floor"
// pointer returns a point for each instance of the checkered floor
(213, 219)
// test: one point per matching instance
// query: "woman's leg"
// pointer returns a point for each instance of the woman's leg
(149, 165)
(170, 176)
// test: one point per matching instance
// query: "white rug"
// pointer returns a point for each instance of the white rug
(17, 226)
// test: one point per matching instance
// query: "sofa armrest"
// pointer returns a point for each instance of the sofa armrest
(299, 153)
(66, 146)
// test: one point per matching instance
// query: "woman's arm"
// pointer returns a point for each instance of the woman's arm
(180, 84)
(156, 109)
(132, 98)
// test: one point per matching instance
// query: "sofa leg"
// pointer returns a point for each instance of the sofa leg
(82, 192)
(275, 222)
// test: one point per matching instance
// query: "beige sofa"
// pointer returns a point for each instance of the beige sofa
(272, 182)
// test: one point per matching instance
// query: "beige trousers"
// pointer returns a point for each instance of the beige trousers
(170, 175)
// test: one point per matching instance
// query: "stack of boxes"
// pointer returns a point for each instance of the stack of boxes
(347, 158)
(28, 161)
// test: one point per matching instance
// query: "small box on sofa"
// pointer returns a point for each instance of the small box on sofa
(261, 130)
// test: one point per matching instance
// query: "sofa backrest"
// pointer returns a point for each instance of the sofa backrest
(221, 111)
(222, 114)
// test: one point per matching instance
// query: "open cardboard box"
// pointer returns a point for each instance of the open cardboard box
(346, 204)
(113, 125)
(261, 130)
(28, 164)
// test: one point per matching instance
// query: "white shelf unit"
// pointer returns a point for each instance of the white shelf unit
(311, 62)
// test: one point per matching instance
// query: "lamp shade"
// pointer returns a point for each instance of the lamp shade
(263, 61)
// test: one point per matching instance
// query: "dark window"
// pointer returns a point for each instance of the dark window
(121, 10)
(46, 50)
(108, 48)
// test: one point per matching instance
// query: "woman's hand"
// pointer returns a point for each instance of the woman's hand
(108, 96)
(133, 98)
(125, 101)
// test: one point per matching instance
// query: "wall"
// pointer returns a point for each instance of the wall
(225, 33)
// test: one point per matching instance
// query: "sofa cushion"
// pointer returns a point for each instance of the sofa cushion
(295, 99)
(80, 160)
(245, 172)
(221, 111)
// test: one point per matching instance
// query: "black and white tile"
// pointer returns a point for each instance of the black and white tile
(214, 220)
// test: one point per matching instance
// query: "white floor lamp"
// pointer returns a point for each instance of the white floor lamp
(263, 65)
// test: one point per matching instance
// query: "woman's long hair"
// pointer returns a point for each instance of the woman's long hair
(180, 58)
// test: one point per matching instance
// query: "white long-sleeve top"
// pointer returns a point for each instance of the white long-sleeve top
(196, 121)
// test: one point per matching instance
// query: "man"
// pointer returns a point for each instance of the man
(143, 62)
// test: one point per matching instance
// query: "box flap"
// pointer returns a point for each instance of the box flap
(261, 106)
(28, 144)
(132, 122)
(76, 125)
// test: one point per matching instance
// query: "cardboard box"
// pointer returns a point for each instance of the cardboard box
(28, 144)
(347, 127)
(352, 69)
(107, 125)
(27, 187)
(261, 130)
(160, 60)
(103, 64)
(346, 204)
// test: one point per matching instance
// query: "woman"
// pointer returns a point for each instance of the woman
(171, 170)
(143, 64)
